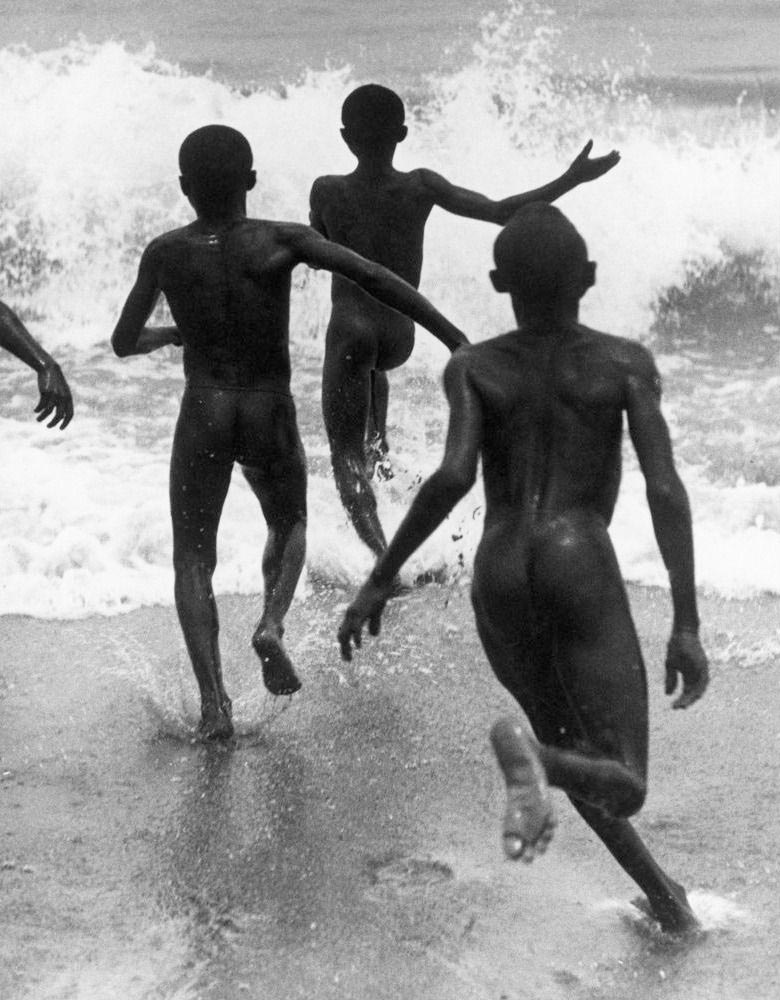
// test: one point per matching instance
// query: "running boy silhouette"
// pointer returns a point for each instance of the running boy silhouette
(543, 408)
(55, 398)
(381, 212)
(227, 281)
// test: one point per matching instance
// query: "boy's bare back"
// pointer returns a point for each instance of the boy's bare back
(382, 219)
(554, 401)
(228, 289)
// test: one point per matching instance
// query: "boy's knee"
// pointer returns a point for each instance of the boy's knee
(621, 802)
(191, 562)
(631, 801)
(287, 522)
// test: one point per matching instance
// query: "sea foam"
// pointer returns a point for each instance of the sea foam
(88, 175)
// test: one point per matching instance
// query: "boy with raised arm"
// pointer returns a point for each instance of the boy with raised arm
(55, 398)
(381, 212)
(227, 281)
(543, 408)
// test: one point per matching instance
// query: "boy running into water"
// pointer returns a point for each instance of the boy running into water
(227, 282)
(381, 212)
(543, 408)
(55, 398)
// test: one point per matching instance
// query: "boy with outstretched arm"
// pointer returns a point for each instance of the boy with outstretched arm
(381, 212)
(227, 282)
(543, 408)
(55, 398)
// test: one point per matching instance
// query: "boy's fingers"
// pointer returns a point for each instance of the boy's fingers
(690, 695)
(67, 415)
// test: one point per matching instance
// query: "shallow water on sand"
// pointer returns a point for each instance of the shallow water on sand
(348, 845)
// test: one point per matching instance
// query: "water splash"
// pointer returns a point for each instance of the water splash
(86, 528)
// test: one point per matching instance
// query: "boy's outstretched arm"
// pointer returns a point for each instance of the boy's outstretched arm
(472, 205)
(309, 247)
(55, 396)
(436, 498)
(131, 335)
(671, 516)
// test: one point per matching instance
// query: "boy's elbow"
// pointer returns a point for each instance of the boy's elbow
(668, 493)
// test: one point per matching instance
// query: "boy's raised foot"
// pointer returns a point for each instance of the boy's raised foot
(529, 820)
(279, 674)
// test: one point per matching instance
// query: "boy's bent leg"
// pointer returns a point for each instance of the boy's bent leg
(346, 392)
(529, 824)
(198, 487)
(280, 487)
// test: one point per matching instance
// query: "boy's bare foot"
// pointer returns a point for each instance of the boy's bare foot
(529, 820)
(672, 911)
(279, 674)
(216, 721)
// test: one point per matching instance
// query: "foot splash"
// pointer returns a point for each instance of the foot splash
(377, 463)
(216, 723)
(279, 674)
(529, 820)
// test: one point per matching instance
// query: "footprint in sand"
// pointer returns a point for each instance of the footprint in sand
(405, 874)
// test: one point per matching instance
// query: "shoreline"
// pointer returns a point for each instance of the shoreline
(315, 588)
(348, 844)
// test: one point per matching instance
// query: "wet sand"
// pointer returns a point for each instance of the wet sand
(348, 845)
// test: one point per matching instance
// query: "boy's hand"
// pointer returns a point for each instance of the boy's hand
(368, 605)
(584, 169)
(686, 658)
(55, 396)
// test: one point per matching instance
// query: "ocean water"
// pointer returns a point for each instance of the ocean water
(95, 100)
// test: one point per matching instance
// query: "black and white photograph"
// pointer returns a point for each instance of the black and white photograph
(389, 500)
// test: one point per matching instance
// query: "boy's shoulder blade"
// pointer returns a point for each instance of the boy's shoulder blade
(626, 359)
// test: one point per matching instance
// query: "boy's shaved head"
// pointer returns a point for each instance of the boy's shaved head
(215, 153)
(541, 256)
(373, 110)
